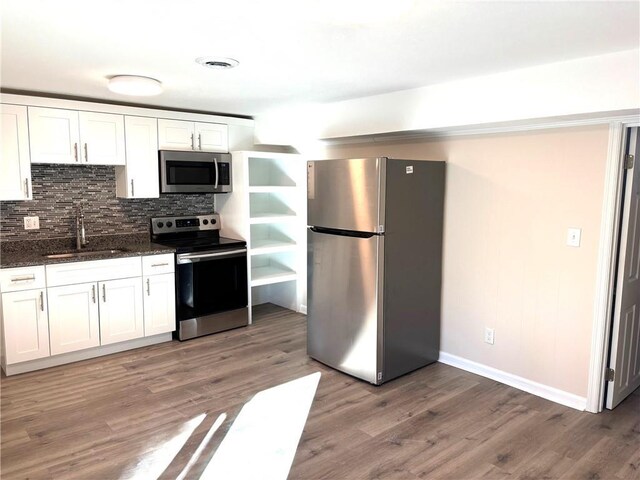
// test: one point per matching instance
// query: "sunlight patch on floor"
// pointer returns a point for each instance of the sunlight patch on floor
(262, 441)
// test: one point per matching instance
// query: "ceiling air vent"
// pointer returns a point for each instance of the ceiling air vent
(217, 62)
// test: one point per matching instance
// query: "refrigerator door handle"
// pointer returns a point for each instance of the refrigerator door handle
(344, 233)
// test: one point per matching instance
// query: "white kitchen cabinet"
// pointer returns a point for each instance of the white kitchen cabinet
(121, 310)
(268, 210)
(15, 164)
(25, 326)
(159, 304)
(139, 177)
(73, 317)
(200, 136)
(73, 137)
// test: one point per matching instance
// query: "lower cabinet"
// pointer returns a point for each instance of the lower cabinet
(26, 330)
(73, 317)
(159, 304)
(121, 316)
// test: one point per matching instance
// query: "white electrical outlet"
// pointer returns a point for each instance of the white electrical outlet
(489, 335)
(31, 223)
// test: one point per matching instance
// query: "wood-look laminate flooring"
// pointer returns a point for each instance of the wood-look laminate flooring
(126, 415)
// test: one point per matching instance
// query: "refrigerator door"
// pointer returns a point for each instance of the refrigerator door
(344, 305)
(347, 194)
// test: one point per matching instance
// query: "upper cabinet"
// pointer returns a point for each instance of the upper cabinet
(15, 168)
(73, 137)
(183, 135)
(139, 178)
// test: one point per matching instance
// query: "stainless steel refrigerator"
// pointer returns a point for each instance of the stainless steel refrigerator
(374, 264)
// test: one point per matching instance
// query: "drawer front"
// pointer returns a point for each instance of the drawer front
(22, 278)
(156, 264)
(93, 271)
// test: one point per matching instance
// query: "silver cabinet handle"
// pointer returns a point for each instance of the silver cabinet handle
(132, 189)
(86, 152)
(159, 264)
(26, 187)
(75, 151)
(104, 292)
(41, 300)
(200, 141)
(93, 293)
(148, 288)
(23, 278)
(193, 144)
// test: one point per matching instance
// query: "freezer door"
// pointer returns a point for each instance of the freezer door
(346, 194)
(344, 308)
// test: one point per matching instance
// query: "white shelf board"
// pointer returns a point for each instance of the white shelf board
(268, 275)
(268, 245)
(271, 189)
(271, 217)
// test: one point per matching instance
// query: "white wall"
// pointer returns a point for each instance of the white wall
(509, 201)
(604, 83)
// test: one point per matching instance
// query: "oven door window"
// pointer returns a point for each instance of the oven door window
(211, 285)
(190, 173)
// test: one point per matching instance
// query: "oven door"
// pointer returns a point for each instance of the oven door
(209, 286)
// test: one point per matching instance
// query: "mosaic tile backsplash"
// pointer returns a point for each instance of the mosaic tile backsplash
(57, 189)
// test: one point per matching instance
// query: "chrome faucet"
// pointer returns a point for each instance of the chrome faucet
(81, 240)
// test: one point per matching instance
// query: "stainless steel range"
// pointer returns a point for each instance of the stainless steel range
(211, 274)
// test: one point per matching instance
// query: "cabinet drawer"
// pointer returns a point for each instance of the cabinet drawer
(22, 278)
(93, 271)
(156, 264)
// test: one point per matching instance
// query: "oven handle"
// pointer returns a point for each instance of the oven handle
(199, 257)
(215, 162)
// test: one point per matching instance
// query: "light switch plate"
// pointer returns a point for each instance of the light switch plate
(573, 237)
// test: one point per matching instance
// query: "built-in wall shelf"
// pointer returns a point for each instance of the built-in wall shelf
(268, 209)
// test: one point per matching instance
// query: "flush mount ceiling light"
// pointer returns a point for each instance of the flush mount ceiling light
(217, 62)
(134, 85)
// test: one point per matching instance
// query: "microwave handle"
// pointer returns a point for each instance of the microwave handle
(215, 161)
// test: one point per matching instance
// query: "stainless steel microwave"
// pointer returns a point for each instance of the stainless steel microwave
(194, 172)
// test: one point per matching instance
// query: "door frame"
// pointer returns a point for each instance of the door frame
(607, 260)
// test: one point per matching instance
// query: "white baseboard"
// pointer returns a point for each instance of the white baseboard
(555, 395)
(303, 309)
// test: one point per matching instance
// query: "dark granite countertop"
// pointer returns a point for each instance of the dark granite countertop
(32, 252)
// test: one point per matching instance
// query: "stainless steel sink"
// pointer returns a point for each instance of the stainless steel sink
(88, 253)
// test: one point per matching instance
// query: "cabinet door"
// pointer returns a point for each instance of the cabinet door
(175, 135)
(121, 315)
(212, 137)
(53, 135)
(73, 317)
(159, 304)
(15, 167)
(25, 324)
(139, 178)
(102, 137)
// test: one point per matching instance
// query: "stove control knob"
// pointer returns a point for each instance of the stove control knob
(160, 224)
(205, 222)
(213, 221)
(169, 224)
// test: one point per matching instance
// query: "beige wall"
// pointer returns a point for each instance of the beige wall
(509, 201)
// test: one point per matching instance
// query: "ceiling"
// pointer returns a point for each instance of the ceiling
(292, 52)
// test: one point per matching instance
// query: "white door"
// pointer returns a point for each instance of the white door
(53, 135)
(121, 316)
(139, 179)
(159, 304)
(212, 137)
(15, 163)
(26, 326)
(625, 344)
(102, 138)
(73, 317)
(175, 135)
